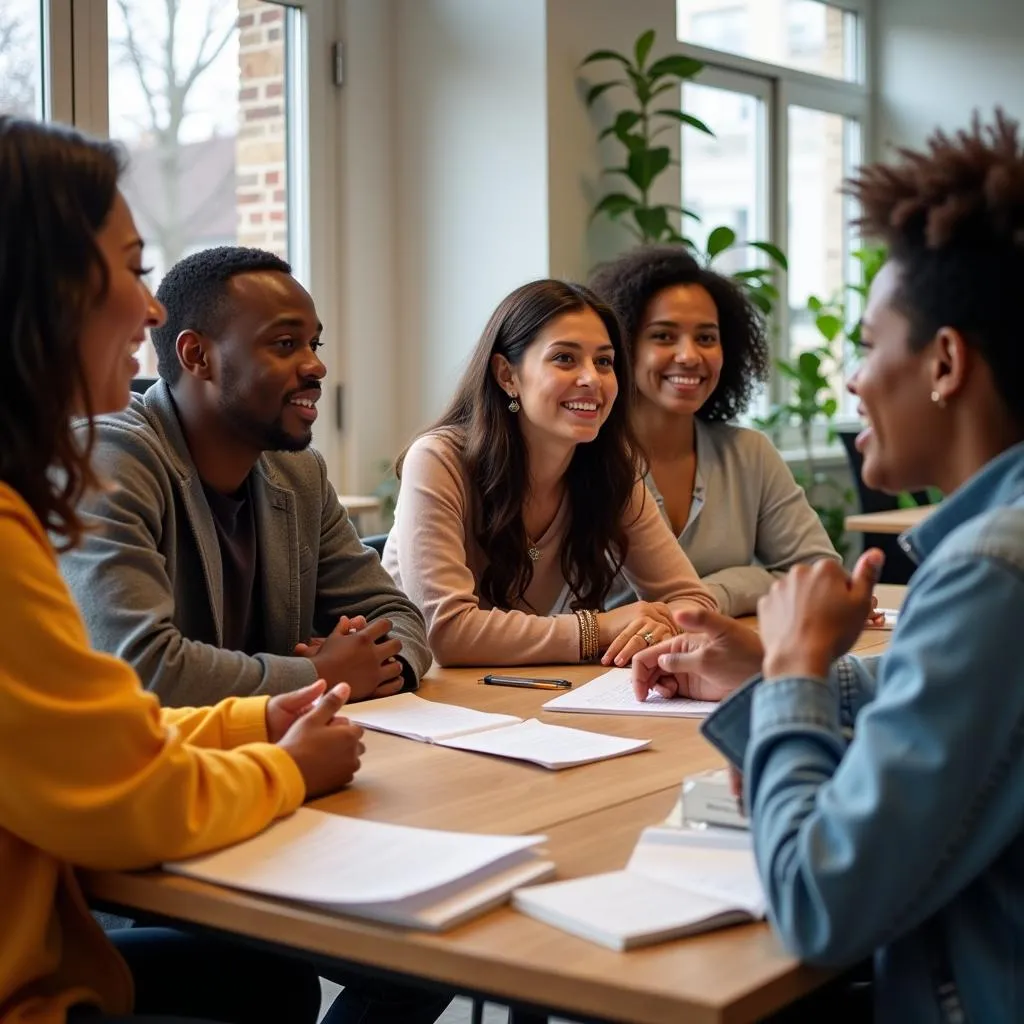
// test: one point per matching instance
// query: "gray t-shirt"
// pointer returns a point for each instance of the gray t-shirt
(749, 521)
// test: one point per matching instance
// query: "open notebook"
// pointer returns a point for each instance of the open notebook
(678, 882)
(448, 725)
(611, 693)
(417, 877)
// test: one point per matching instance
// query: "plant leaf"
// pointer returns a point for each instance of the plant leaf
(614, 204)
(623, 122)
(652, 221)
(829, 407)
(597, 90)
(814, 303)
(645, 165)
(693, 122)
(719, 240)
(677, 65)
(643, 46)
(604, 55)
(773, 251)
(828, 326)
(753, 275)
(762, 302)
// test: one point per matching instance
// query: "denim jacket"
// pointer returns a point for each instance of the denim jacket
(904, 837)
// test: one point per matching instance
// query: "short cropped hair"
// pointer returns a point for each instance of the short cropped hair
(952, 218)
(195, 294)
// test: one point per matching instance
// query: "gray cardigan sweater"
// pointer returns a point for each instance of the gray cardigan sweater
(749, 523)
(148, 576)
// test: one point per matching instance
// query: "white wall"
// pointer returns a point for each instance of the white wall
(472, 200)
(937, 60)
(575, 160)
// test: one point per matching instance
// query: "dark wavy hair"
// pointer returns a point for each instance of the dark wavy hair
(953, 220)
(492, 444)
(56, 189)
(629, 283)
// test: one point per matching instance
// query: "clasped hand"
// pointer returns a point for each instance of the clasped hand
(360, 654)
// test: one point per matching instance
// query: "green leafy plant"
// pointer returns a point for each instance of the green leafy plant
(387, 491)
(639, 128)
(812, 399)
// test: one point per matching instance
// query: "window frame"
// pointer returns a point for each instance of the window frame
(788, 87)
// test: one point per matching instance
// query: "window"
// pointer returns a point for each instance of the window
(785, 140)
(809, 35)
(199, 94)
(21, 58)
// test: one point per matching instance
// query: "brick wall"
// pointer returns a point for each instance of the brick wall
(260, 147)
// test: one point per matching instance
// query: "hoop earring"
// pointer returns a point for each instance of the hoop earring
(513, 406)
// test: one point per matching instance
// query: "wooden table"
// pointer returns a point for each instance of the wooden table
(364, 510)
(592, 816)
(895, 521)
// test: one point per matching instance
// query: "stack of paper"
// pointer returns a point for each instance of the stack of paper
(417, 877)
(678, 882)
(448, 725)
(612, 694)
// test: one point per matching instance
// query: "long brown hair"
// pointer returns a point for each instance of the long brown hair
(56, 189)
(601, 475)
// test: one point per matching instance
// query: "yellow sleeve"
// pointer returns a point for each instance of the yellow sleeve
(231, 723)
(93, 772)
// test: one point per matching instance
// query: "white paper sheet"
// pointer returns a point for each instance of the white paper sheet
(552, 746)
(327, 858)
(612, 694)
(407, 715)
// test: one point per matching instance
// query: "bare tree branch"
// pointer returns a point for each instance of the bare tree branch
(138, 62)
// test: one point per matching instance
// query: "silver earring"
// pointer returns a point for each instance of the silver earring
(938, 400)
(513, 406)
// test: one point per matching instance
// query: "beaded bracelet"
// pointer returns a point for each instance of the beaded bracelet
(590, 637)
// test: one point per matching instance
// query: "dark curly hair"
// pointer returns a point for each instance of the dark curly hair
(629, 283)
(195, 294)
(492, 445)
(57, 188)
(952, 218)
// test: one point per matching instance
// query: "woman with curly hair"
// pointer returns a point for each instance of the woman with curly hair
(699, 353)
(907, 841)
(522, 502)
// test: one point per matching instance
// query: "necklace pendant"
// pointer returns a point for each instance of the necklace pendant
(534, 552)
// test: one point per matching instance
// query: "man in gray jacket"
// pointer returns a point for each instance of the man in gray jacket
(220, 561)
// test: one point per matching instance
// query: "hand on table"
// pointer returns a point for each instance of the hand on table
(632, 628)
(708, 661)
(360, 654)
(813, 615)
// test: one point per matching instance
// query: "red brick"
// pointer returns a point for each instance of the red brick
(271, 15)
(247, 197)
(255, 218)
(245, 20)
(263, 113)
(274, 89)
(250, 92)
(273, 34)
(277, 216)
(280, 195)
(272, 177)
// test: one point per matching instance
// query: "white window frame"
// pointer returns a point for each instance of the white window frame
(784, 87)
(77, 63)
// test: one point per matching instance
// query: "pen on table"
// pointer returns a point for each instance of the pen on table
(532, 683)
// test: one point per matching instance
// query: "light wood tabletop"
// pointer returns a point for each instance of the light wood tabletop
(895, 521)
(591, 815)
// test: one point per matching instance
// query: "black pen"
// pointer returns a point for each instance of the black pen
(527, 681)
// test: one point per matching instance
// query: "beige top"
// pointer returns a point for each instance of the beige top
(433, 556)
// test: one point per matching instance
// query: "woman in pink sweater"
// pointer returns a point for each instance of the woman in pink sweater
(521, 503)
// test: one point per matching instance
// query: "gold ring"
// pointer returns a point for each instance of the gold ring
(648, 638)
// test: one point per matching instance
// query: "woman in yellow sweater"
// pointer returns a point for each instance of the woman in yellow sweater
(95, 774)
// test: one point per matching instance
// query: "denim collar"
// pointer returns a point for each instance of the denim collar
(998, 483)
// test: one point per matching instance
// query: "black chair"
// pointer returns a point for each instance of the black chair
(377, 542)
(898, 566)
(140, 385)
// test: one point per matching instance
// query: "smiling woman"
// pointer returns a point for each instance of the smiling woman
(699, 353)
(521, 503)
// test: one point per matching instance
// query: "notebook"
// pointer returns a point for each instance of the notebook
(678, 882)
(416, 877)
(611, 693)
(448, 725)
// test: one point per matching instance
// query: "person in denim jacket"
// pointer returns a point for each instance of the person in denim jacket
(886, 795)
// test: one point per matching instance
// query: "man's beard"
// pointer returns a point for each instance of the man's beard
(269, 436)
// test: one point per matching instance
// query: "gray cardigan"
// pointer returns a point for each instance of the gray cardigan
(148, 576)
(749, 523)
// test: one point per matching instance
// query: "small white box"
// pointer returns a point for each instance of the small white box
(708, 800)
